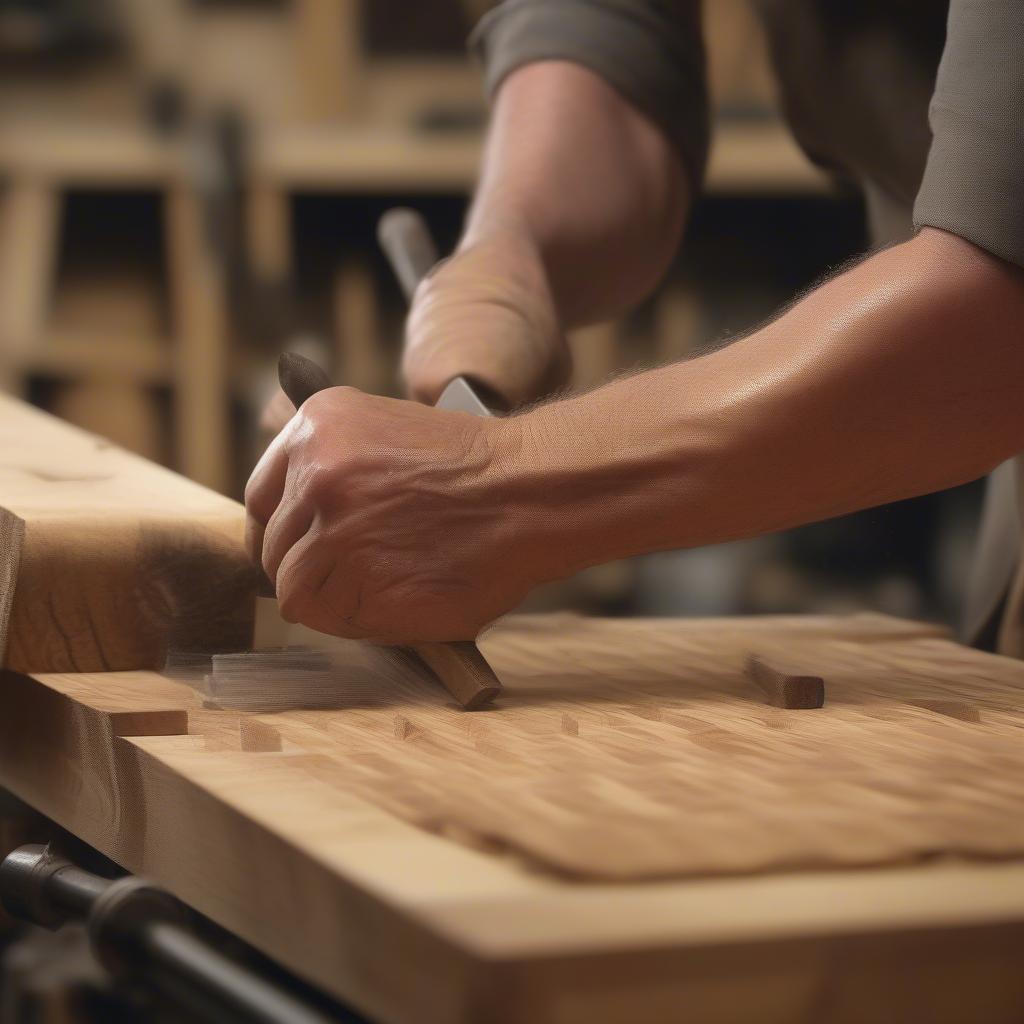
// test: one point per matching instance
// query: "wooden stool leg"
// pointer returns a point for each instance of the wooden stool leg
(269, 233)
(29, 222)
(362, 361)
(201, 397)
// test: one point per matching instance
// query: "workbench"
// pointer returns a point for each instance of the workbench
(631, 834)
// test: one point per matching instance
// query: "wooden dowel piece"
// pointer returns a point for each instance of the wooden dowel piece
(462, 670)
(785, 687)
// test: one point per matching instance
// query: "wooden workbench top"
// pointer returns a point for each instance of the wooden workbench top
(333, 839)
(633, 833)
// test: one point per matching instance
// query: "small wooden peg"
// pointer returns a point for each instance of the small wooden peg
(785, 687)
(463, 671)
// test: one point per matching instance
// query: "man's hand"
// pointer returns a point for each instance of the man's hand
(487, 313)
(384, 519)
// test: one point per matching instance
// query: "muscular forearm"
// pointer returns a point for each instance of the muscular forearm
(578, 181)
(900, 377)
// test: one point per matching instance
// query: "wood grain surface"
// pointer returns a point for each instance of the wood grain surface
(619, 736)
(118, 558)
(630, 830)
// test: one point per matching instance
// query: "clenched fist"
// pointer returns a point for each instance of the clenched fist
(486, 313)
(384, 519)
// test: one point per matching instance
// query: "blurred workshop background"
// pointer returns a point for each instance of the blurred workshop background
(189, 187)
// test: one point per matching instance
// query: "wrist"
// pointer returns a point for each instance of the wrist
(646, 463)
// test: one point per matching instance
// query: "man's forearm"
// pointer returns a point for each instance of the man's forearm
(578, 179)
(900, 377)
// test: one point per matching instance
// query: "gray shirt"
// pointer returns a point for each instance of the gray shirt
(919, 101)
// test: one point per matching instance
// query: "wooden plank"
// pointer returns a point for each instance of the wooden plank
(746, 159)
(97, 155)
(412, 925)
(83, 352)
(119, 558)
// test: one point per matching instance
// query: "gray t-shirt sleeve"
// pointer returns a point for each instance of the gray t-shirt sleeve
(651, 51)
(973, 183)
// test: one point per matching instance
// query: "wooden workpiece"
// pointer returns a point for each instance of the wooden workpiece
(623, 833)
(300, 830)
(113, 559)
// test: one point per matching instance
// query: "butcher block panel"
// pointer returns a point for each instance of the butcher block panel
(633, 833)
(107, 560)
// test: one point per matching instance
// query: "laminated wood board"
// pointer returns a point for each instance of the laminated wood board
(495, 909)
(106, 559)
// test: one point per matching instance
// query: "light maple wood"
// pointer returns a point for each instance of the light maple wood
(266, 823)
(119, 557)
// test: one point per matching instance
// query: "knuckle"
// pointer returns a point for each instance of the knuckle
(319, 486)
(267, 563)
(292, 604)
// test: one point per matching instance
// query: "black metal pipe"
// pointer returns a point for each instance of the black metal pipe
(75, 890)
(136, 931)
(230, 989)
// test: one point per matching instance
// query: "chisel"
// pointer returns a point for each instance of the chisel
(459, 666)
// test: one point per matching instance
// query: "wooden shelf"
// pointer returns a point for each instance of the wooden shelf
(748, 159)
(84, 353)
(100, 155)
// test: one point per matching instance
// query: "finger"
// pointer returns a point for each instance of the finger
(289, 523)
(263, 494)
(254, 539)
(299, 576)
(305, 576)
